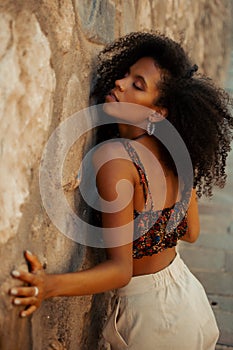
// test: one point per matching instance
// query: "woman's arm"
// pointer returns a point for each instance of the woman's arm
(115, 272)
(193, 220)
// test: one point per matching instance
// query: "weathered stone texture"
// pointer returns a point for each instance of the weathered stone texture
(27, 83)
(96, 19)
(196, 24)
(47, 49)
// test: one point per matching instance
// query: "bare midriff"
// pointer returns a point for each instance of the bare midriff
(154, 263)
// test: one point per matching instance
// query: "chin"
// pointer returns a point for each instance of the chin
(111, 108)
(129, 112)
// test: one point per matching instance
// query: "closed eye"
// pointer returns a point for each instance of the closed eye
(137, 87)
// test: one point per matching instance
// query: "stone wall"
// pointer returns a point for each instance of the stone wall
(46, 53)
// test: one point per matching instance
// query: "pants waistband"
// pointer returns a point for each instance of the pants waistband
(143, 283)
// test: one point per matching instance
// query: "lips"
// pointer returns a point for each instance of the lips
(112, 96)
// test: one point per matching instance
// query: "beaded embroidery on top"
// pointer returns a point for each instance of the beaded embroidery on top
(155, 230)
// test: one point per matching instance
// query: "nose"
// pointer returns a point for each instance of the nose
(120, 85)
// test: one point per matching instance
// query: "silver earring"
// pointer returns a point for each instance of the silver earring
(150, 128)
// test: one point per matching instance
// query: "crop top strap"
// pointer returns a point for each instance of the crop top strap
(141, 171)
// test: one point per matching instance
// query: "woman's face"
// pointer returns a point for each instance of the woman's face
(138, 86)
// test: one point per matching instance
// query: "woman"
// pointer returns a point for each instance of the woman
(159, 303)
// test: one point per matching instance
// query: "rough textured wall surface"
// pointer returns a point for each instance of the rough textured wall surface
(47, 49)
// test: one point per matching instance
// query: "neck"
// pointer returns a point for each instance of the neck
(130, 131)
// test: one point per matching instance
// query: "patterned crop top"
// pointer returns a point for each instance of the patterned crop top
(155, 230)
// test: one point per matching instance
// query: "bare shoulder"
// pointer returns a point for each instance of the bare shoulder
(110, 147)
(112, 168)
(112, 164)
(110, 151)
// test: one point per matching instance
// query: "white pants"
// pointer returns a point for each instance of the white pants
(168, 310)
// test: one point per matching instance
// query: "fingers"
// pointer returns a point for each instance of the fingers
(28, 311)
(35, 264)
(25, 296)
(25, 301)
(23, 291)
(24, 276)
(32, 295)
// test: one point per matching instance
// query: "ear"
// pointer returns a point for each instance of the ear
(158, 114)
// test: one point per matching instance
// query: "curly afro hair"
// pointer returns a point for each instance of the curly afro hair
(200, 111)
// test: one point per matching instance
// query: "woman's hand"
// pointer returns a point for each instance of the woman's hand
(30, 296)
